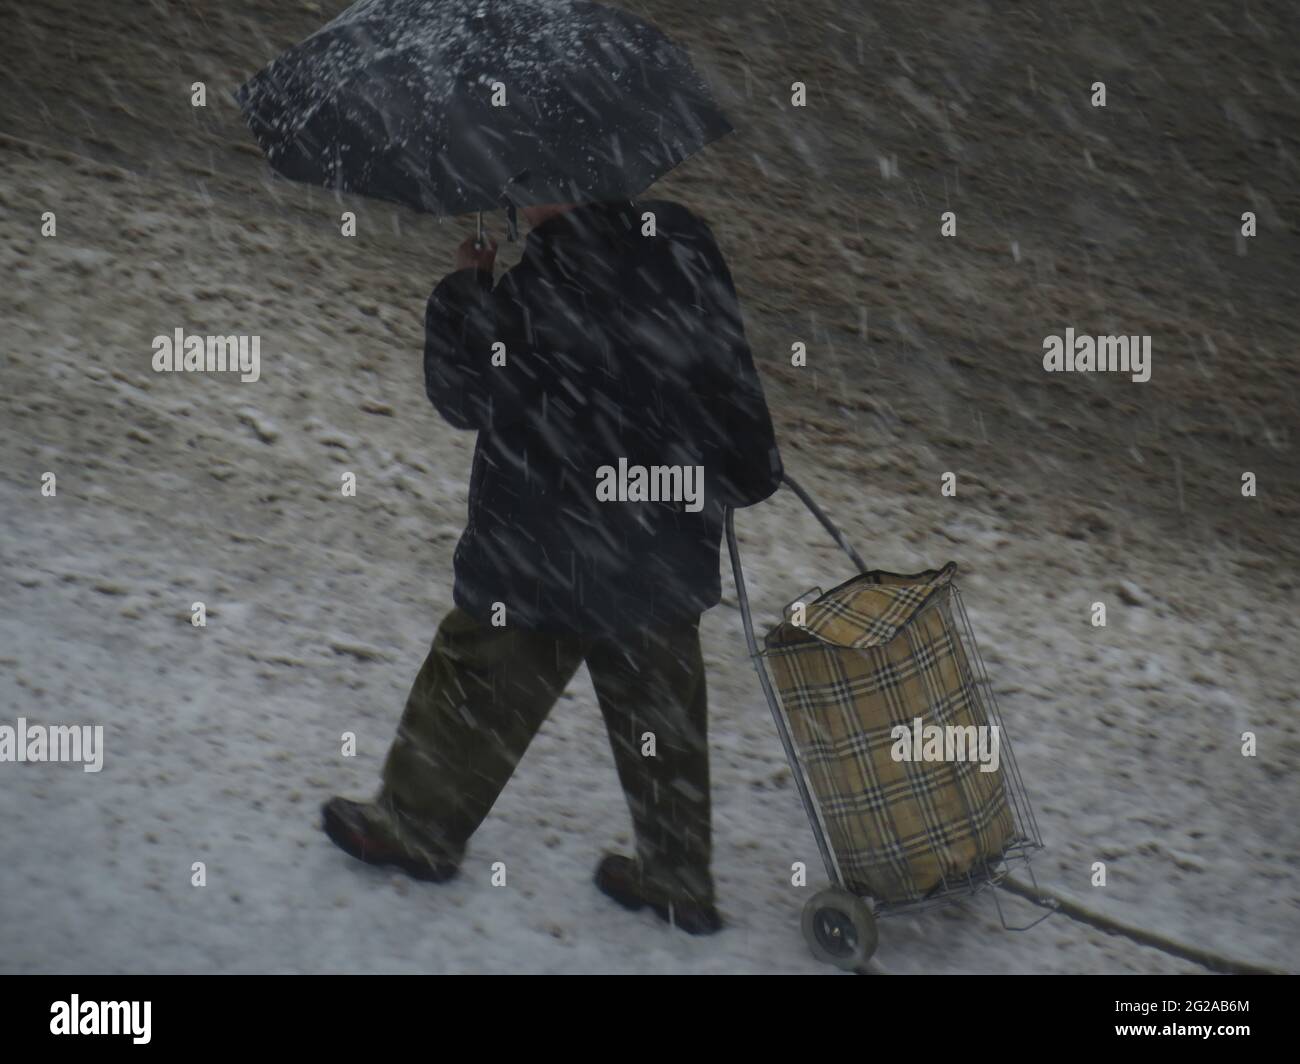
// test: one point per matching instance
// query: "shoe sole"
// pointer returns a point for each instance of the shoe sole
(635, 903)
(354, 845)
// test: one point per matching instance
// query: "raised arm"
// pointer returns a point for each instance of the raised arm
(465, 316)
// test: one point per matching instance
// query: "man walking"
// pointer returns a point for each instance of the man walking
(616, 344)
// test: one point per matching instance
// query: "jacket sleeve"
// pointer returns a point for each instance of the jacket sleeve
(465, 316)
(740, 443)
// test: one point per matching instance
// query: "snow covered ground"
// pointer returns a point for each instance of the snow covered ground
(221, 742)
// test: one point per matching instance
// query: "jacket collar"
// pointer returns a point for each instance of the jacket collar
(604, 218)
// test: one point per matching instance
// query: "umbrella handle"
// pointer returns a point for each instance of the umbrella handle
(512, 223)
(512, 228)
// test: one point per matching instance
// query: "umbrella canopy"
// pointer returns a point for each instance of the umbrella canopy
(452, 106)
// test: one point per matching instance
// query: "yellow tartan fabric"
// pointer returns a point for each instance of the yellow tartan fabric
(879, 651)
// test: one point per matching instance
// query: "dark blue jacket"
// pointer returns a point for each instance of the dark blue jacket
(617, 345)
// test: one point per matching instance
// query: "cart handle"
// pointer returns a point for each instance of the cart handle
(755, 655)
(733, 549)
(826, 522)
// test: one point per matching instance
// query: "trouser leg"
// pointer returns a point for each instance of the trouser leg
(476, 703)
(653, 682)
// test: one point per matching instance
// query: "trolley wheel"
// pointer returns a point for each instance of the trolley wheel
(840, 928)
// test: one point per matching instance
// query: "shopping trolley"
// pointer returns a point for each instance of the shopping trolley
(841, 672)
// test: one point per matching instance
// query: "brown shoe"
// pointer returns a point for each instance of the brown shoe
(620, 878)
(363, 830)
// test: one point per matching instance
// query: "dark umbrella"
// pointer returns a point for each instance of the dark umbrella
(450, 106)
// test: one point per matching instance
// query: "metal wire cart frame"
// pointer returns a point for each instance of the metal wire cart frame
(838, 924)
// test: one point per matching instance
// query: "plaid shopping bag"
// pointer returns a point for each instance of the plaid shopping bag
(882, 650)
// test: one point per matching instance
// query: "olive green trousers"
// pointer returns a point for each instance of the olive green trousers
(481, 696)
